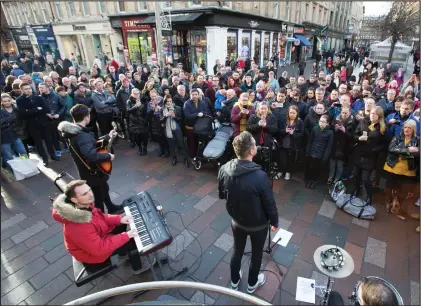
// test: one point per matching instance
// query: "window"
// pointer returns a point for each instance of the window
(142, 5)
(102, 7)
(71, 8)
(85, 7)
(306, 12)
(44, 11)
(19, 21)
(34, 13)
(165, 4)
(197, 2)
(25, 12)
(331, 17)
(58, 8)
(275, 10)
(121, 7)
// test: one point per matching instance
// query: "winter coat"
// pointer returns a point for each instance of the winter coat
(68, 101)
(267, 132)
(17, 72)
(122, 96)
(302, 108)
(57, 105)
(386, 106)
(11, 126)
(218, 102)
(380, 93)
(236, 116)
(83, 142)
(311, 120)
(244, 87)
(202, 86)
(28, 108)
(365, 152)
(280, 113)
(398, 149)
(226, 110)
(358, 105)
(87, 232)
(138, 121)
(398, 78)
(342, 141)
(396, 128)
(191, 111)
(103, 102)
(84, 99)
(178, 117)
(288, 141)
(250, 200)
(320, 143)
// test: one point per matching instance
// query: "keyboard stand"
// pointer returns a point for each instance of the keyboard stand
(158, 260)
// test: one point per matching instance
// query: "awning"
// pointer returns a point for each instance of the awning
(175, 18)
(303, 39)
(290, 39)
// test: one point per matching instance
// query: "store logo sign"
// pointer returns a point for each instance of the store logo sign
(284, 27)
(253, 24)
(79, 28)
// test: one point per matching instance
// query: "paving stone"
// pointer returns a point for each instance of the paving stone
(284, 224)
(298, 268)
(225, 242)
(327, 209)
(110, 281)
(202, 222)
(22, 260)
(320, 226)
(4, 273)
(52, 242)
(273, 281)
(375, 252)
(204, 204)
(12, 221)
(49, 291)
(299, 229)
(70, 293)
(210, 259)
(48, 274)
(308, 247)
(290, 210)
(337, 235)
(28, 232)
(220, 276)
(204, 241)
(358, 235)
(18, 294)
(15, 279)
(180, 242)
(320, 280)
(361, 222)
(221, 222)
(308, 212)
(6, 245)
(357, 254)
(10, 231)
(13, 252)
(44, 235)
(286, 255)
(205, 189)
(284, 298)
(415, 293)
(201, 298)
(55, 254)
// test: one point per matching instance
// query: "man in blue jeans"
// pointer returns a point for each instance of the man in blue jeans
(251, 204)
(10, 141)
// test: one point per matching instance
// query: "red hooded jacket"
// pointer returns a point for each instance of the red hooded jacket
(86, 233)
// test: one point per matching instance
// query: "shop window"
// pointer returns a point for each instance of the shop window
(196, 2)
(102, 7)
(257, 42)
(58, 8)
(142, 5)
(34, 13)
(266, 48)
(121, 7)
(245, 45)
(232, 45)
(166, 4)
(71, 7)
(85, 7)
(44, 11)
(274, 43)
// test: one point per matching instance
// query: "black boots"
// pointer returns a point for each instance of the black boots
(186, 163)
(164, 153)
(142, 151)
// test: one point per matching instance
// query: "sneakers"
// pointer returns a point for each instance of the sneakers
(287, 175)
(278, 175)
(58, 153)
(261, 279)
(417, 203)
(235, 286)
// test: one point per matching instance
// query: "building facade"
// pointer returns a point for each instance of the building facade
(369, 31)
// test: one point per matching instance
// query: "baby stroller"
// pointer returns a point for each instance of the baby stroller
(213, 138)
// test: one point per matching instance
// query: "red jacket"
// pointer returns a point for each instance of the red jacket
(114, 64)
(87, 232)
(236, 116)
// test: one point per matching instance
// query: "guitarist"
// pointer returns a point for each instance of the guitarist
(82, 146)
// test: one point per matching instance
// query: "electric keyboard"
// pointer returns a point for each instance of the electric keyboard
(153, 233)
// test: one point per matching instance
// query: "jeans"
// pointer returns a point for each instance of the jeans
(258, 239)
(177, 141)
(363, 175)
(336, 167)
(7, 153)
(191, 142)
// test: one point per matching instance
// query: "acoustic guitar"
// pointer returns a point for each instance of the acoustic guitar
(104, 146)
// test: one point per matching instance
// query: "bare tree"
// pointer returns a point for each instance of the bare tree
(400, 23)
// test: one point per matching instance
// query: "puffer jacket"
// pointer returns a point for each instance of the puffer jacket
(267, 133)
(138, 121)
(249, 196)
(57, 105)
(103, 102)
(85, 99)
(342, 141)
(398, 149)
(311, 120)
(320, 143)
(10, 125)
(87, 232)
(226, 110)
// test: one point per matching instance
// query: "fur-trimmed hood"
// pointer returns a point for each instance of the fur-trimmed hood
(66, 212)
(69, 129)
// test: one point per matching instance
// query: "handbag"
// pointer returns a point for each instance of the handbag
(355, 206)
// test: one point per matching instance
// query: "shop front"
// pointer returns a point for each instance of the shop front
(46, 39)
(21, 38)
(86, 40)
(286, 45)
(302, 46)
(6, 42)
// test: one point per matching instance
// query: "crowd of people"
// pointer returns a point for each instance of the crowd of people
(357, 128)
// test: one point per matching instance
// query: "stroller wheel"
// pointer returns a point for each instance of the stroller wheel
(197, 165)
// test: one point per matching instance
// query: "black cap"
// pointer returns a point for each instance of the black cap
(353, 78)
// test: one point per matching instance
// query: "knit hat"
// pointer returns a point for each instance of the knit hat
(353, 78)
(80, 84)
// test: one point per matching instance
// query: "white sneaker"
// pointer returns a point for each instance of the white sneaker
(417, 203)
(287, 176)
(261, 279)
(235, 286)
(278, 175)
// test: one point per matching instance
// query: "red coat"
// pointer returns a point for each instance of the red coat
(343, 76)
(87, 233)
(236, 116)
(114, 64)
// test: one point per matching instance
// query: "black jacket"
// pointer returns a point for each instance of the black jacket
(83, 142)
(250, 200)
(280, 113)
(311, 121)
(28, 108)
(226, 110)
(320, 143)
(292, 142)
(57, 105)
(398, 149)
(269, 131)
(9, 126)
(138, 121)
(122, 96)
(342, 141)
(84, 99)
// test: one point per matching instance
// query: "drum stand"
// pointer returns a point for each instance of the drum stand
(326, 292)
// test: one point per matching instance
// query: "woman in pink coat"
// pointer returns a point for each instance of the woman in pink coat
(398, 76)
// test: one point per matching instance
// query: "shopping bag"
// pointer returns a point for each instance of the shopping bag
(24, 168)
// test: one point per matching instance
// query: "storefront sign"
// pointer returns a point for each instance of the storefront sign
(253, 24)
(134, 25)
(290, 29)
(298, 30)
(78, 28)
(283, 38)
(297, 42)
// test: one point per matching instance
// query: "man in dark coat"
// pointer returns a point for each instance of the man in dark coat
(121, 98)
(82, 147)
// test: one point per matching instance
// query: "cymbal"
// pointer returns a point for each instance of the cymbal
(343, 271)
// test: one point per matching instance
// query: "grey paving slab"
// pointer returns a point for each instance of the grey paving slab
(210, 259)
(18, 294)
(221, 222)
(360, 222)
(337, 235)
(415, 293)
(12, 221)
(10, 231)
(13, 252)
(44, 235)
(225, 242)
(180, 242)
(202, 298)
(327, 209)
(321, 280)
(375, 252)
(24, 259)
(28, 232)
(286, 255)
(320, 226)
(48, 274)
(49, 291)
(6, 245)
(52, 242)
(284, 224)
(55, 254)
(70, 293)
(205, 203)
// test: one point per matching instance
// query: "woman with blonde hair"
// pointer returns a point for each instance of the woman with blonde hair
(401, 166)
(370, 137)
(262, 125)
(138, 121)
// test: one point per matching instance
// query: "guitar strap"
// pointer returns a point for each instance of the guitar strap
(92, 171)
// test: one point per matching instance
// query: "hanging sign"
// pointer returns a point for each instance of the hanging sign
(297, 42)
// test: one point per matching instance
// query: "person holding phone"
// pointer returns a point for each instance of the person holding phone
(138, 121)
(241, 112)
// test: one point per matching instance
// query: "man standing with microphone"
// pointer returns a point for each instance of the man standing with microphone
(251, 204)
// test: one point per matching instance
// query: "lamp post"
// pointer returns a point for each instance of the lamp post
(158, 34)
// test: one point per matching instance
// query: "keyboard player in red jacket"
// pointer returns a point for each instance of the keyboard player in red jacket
(90, 235)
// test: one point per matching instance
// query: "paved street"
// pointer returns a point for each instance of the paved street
(36, 268)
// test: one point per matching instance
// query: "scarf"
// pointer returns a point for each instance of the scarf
(243, 120)
(170, 123)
